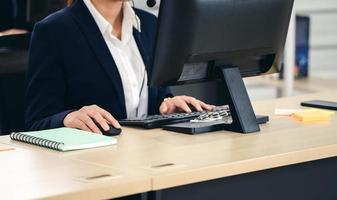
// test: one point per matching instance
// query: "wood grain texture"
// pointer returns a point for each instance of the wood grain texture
(5, 148)
(171, 159)
(30, 174)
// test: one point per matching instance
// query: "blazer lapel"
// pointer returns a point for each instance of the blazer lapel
(94, 37)
(142, 43)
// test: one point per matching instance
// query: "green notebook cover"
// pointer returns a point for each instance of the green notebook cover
(64, 139)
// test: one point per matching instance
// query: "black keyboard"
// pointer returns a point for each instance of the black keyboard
(157, 121)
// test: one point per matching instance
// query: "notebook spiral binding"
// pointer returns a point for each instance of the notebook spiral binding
(34, 140)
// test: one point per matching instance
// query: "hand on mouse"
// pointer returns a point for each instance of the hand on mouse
(86, 117)
(181, 103)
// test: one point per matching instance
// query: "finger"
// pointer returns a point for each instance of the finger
(115, 123)
(112, 120)
(171, 108)
(80, 125)
(163, 108)
(201, 103)
(108, 117)
(89, 123)
(100, 120)
(195, 103)
(180, 103)
(207, 106)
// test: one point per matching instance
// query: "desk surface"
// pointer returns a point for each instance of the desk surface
(30, 174)
(170, 159)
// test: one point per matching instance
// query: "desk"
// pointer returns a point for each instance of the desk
(286, 160)
(34, 174)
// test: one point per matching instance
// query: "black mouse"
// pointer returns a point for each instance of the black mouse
(111, 132)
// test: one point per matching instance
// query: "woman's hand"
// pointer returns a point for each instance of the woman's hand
(86, 117)
(181, 103)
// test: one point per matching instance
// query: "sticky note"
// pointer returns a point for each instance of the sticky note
(313, 115)
(331, 113)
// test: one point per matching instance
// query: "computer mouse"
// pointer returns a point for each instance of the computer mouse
(111, 132)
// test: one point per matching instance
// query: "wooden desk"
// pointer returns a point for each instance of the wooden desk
(33, 174)
(274, 163)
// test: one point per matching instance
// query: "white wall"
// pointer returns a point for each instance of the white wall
(323, 35)
(315, 5)
(323, 15)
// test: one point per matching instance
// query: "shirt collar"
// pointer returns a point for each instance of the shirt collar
(129, 17)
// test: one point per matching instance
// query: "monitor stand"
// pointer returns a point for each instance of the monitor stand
(236, 96)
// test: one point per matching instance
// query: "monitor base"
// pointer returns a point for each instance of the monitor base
(236, 96)
(192, 128)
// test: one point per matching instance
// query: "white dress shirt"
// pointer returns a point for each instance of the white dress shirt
(128, 59)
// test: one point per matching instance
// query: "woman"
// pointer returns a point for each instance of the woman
(88, 65)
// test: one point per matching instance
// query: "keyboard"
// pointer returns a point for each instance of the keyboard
(157, 121)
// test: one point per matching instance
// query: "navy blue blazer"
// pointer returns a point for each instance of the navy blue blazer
(70, 66)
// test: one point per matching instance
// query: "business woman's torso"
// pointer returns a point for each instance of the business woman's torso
(71, 66)
(127, 58)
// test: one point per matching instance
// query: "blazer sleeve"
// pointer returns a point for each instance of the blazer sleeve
(45, 82)
(163, 92)
(157, 95)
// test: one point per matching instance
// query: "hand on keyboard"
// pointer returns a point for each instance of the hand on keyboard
(156, 121)
(181, 104)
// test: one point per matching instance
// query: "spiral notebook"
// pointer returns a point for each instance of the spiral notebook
(64, 139)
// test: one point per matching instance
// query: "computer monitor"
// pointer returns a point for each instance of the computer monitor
(221, 40)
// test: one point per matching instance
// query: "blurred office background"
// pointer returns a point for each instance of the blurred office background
(323, 40)
(323, 34)
(318, 16)
(321, 18)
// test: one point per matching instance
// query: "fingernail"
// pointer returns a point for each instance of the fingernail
(106, 127)
(118, 126)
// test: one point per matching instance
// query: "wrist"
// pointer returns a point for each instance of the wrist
(67, 116)
(65, 120)
(57, 119)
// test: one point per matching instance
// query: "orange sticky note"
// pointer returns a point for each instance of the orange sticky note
(312, 115)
